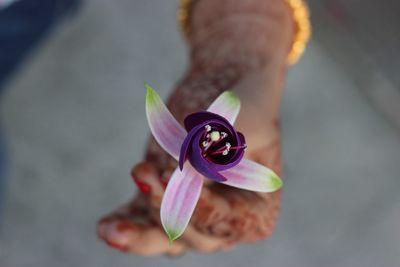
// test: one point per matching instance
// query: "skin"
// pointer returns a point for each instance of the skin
(235, 45)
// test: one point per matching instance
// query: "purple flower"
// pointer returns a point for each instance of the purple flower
(209, 147)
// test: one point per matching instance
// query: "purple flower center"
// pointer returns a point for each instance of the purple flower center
(212, 144)
(216, 144)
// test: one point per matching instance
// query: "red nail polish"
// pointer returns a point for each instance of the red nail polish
(143, 187)
(120, 247)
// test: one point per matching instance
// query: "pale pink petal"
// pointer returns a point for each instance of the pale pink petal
(180, 199)
(164, 127)
(226, 105)
(252, 176)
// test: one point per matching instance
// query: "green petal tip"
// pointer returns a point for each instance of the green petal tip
(275, 182)
(151, 93)
(152, 96)
(232, 97)
(172, 235)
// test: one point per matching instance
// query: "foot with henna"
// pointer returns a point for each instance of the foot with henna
(234, 45)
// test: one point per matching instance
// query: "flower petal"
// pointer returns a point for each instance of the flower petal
(164, 127)
(227, 105)
(191, 150)
(252, 176)
(186, 145)
(202, 165)
(180, 199)
(204, 117)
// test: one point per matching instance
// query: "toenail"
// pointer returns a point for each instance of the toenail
(123, 248)
(143, 187)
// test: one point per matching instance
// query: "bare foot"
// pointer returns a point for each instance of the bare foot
(224, 215)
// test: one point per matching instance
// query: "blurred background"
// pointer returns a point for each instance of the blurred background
(73, 123)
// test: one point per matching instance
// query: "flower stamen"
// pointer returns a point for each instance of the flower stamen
(210, 142)
(211, 138)
(225, 149)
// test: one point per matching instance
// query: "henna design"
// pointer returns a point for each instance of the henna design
(224, 53)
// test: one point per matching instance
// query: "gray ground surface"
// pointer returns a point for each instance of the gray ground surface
(75, 122)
